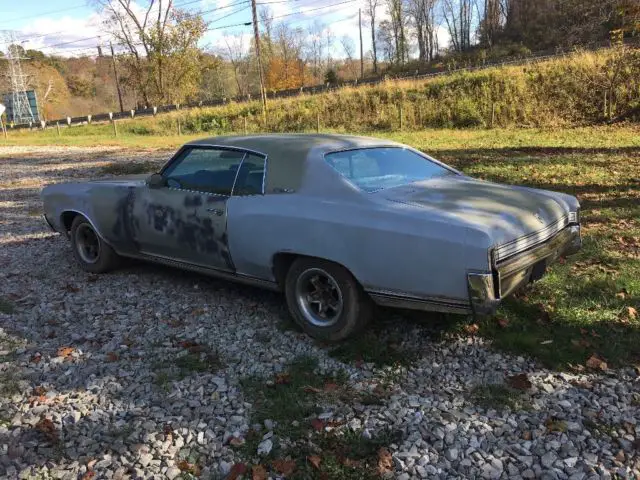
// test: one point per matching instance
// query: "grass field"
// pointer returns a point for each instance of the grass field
(586, 307)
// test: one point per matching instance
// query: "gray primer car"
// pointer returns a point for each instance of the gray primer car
(334, 221)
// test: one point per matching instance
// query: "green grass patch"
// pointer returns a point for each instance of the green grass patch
(8, 384)
(371, 347)
(498, 397)
(289, 400)
(198, 359)
(6, 306)
(293, 400)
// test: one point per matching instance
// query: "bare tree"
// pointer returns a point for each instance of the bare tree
(398, 19)
(154, 34)
(266, 20)
(236, 55)
(458, 16)
(423, 14)
(370, 11)
(349, 49)
(315, 48)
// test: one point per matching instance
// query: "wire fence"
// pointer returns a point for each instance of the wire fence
(432, 72)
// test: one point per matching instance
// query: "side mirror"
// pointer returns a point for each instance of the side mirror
(156, 181)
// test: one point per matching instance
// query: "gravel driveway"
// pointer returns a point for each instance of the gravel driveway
(89, 386)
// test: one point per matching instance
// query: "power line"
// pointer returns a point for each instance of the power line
(43, 14)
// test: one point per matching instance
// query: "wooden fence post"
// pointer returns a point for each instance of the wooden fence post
(400, 115)
(244, 123)
(493, 114)
(179, 128)
(317, 122)
(58, 127)
(115, 127)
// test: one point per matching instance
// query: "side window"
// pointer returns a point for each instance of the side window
(251, 176)
(205, 170)
(354, 164)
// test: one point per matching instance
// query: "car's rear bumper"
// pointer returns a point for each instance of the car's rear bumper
(486, 290)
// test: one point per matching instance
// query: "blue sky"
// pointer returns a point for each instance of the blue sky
(63, 26)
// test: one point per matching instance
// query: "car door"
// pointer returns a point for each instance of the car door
(185, 218)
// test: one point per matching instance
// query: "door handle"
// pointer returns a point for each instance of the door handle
(215, 211)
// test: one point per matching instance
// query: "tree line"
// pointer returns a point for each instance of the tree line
(160, 59)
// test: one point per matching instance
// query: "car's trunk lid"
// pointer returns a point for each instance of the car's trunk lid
(507, 212)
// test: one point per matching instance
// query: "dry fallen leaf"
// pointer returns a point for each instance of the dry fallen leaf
(471, 329)
(385, 461)
(284, 467)
(596, 363)
(519, 381)
(187, 467)
(112, 357)
(633, 313)
(503, 322)
(71, 289)
(317, 424)
(330, 387)
(236, 471)
(88, 475)
(526, 435)
(237, 441)
(39, 391)
(283, 379)
(65, 352)
(314, 460)
(258, 472)
(48, 429)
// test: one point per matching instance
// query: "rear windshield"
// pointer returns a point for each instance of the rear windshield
(373, 169)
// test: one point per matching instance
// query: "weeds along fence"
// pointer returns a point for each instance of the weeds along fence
(566, 87)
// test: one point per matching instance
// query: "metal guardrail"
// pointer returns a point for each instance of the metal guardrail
(323, 88)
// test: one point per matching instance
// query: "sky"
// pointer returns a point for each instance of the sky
(62, 27)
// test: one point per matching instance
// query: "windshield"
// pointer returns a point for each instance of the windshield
(372, 169)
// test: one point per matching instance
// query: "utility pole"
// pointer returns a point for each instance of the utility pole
(256, 33)
(361, 51)
(115, 73)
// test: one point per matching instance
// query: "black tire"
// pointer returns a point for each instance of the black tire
(100, 259)
(356, 310)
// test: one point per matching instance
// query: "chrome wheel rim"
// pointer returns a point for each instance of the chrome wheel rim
(319, 297)
(87, 243)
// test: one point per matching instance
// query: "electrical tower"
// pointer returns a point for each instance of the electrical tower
(19, 106)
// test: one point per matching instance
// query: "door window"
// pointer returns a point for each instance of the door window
(205, 170)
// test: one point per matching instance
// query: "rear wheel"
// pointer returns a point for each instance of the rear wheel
(91, 251)
(325, 299)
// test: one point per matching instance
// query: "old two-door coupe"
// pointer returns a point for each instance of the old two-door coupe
(337, 222)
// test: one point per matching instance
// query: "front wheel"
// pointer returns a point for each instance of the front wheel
(325, 300)
(89, 249)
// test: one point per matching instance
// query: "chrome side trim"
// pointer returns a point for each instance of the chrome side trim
(429, 304)
(502, 252)
(212, 272)
(569, 237)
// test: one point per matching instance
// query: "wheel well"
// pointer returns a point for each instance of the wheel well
(67, 219)
(282, 262)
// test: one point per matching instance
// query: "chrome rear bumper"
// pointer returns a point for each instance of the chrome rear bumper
(486, 290)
